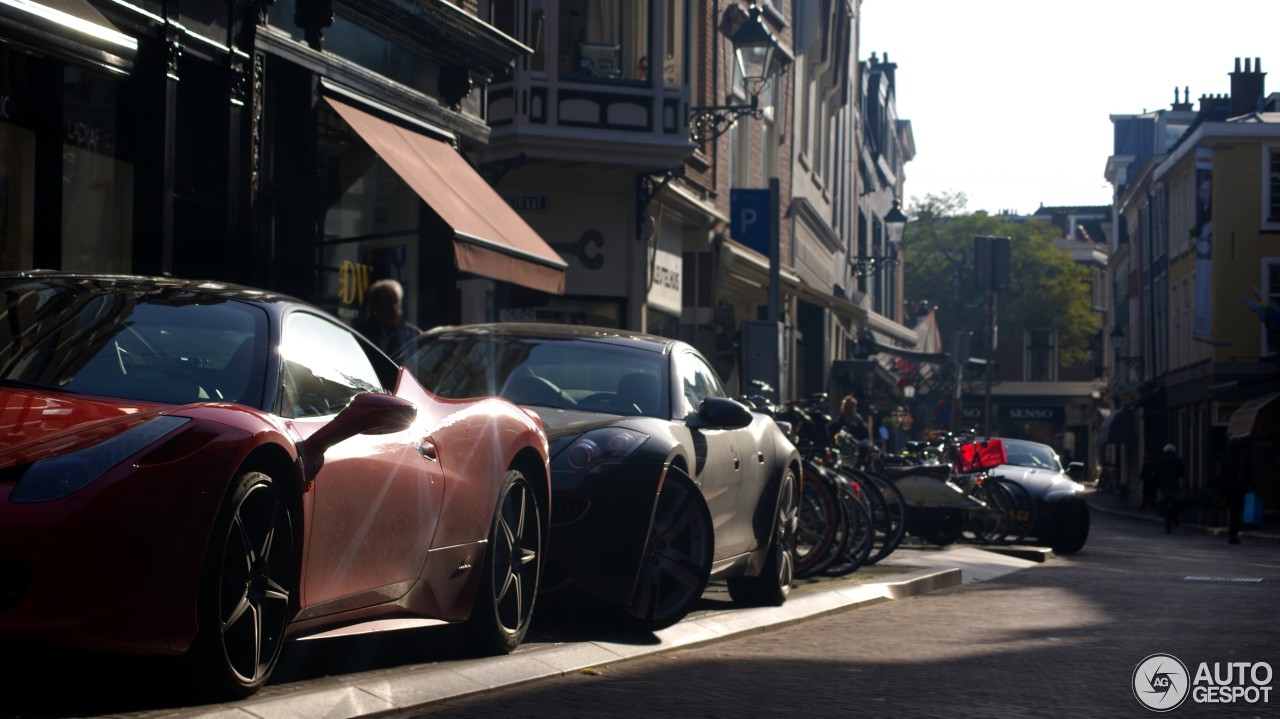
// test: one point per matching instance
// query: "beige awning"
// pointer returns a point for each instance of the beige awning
(1257, 418)
(490, 238)
(838, 305)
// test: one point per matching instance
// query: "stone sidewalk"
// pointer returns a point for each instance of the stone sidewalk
(908, 572)
(1113, 505)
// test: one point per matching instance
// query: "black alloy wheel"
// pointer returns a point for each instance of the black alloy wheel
(676, 562)
(512, 568)
(773, 584)
(246, 597)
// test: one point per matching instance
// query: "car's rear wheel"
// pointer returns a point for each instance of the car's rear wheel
(512, 568)
(676, 562)
(246, 593)
(773, 584)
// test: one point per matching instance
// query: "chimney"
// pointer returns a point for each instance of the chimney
(1248, 87)
(1185, 103)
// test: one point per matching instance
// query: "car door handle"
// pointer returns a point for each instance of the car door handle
(760, 457)
(737, 463)
(427, 449)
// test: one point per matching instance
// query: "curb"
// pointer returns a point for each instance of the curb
(1038, 555)
(412, 688)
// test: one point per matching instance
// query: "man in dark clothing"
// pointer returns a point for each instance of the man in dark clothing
(1169, 472)
(385, 324)
(848, 420)
(1234, 484)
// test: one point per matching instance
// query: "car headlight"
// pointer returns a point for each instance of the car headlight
(59, 476)
(598, 447)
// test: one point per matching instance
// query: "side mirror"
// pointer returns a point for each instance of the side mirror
(368, 413)
(1075, 470)
(724, 413)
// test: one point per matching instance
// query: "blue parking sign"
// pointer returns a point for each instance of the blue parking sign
(749, 212)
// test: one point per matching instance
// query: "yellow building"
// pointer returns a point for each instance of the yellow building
(1217, 199)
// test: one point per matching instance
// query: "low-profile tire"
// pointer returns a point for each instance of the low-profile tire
(1073, 528)
(676, 562)
(246, 591)
(771, 587)
(512, 569)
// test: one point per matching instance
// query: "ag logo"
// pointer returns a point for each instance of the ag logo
(1160, 682)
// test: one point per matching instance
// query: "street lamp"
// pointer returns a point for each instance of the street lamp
(895, 226)
(756, 52)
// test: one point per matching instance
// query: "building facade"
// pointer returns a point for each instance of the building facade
(1193, 340)
(246, 142)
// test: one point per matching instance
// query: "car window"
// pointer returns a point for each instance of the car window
(1027, 454)
(697, 382)
(324, 367)
(172, 347)
(539, 371)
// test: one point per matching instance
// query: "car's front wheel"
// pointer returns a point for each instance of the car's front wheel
(512, 568)
(773, 584)
(245, 600)
(676, 563)
(1073, 526)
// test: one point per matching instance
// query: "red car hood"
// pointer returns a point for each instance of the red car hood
(36, 424)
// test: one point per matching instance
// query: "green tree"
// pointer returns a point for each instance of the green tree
(1047, 289)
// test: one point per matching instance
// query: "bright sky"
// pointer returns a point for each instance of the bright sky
(1010, 100)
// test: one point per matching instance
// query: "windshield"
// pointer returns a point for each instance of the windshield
(1031, 454)
(568, 374)
(167, 346)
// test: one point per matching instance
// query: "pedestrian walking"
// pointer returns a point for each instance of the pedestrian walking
(1169, 472)
(1234, 483)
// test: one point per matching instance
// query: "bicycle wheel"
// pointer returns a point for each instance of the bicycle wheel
(860, 536)
(821, 523)
(987, 525)
(1021, 516)
(892, 525)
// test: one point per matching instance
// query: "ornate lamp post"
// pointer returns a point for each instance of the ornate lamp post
(755, 50)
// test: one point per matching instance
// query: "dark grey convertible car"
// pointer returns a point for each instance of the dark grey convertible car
(659, 480)
(1061, 515)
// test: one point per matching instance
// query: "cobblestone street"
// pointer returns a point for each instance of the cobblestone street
(1056, 640)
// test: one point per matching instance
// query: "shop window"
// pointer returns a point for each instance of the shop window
(371, 223)
(604, 39)
(97, 177)
(17, 199)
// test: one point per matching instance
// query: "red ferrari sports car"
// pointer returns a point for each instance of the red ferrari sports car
(206, 471)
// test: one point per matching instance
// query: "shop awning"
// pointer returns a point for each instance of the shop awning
(838, 305)
(490, 239)
(68, 29)
(1257, 418)
(1119, 427)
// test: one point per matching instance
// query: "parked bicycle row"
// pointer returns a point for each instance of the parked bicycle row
(859, 501)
